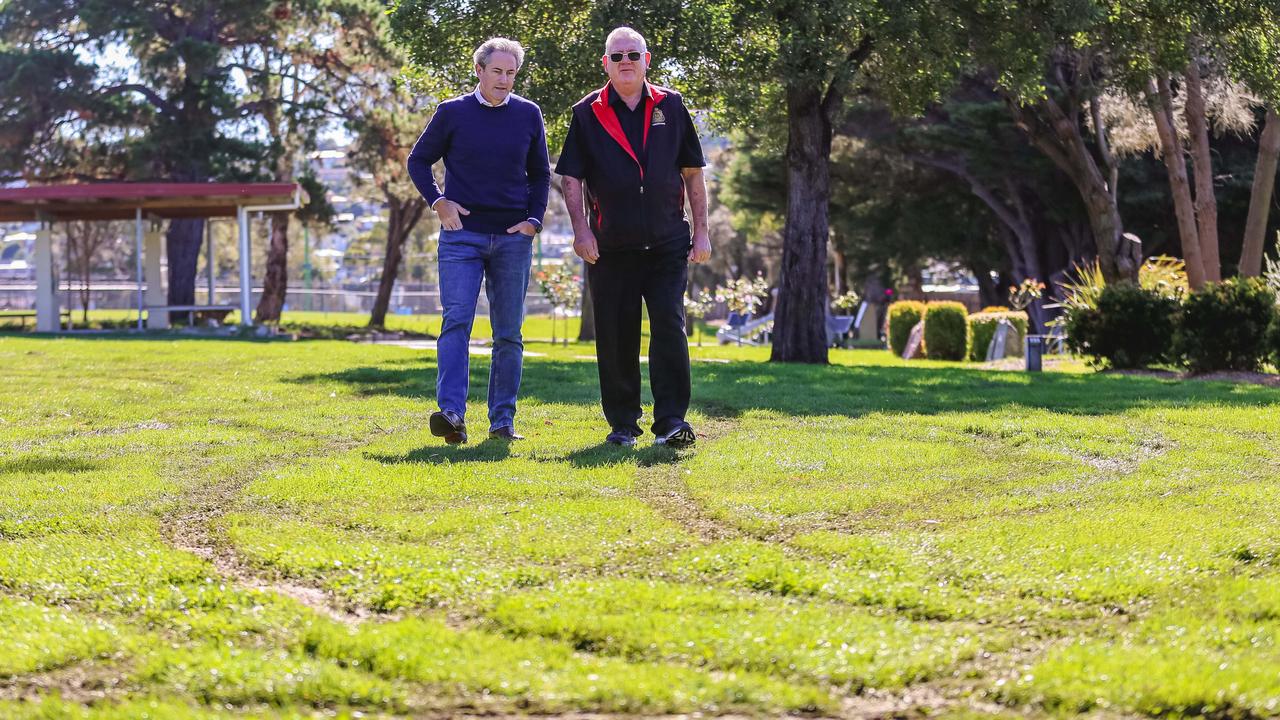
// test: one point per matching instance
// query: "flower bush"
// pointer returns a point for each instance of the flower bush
(697, 306)
(1023, 294)
(563, 289)
(846, 304)
(743, 295)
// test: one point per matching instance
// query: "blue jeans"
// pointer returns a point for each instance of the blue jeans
(503, 262)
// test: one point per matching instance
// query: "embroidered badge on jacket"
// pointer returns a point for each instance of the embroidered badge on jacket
(658, 118)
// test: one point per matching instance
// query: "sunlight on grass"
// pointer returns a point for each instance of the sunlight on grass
(188, 522)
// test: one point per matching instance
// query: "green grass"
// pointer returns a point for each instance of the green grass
(230, 528)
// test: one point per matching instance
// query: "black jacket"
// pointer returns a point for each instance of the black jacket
(629, 205)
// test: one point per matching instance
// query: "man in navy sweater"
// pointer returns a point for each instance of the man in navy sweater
(496, 180)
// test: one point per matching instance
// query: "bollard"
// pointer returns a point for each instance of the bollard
(1035, 348)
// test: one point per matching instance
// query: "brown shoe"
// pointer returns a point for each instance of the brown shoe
(505, 432)
(448, 426)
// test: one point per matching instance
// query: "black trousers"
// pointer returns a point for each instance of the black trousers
(619, 281)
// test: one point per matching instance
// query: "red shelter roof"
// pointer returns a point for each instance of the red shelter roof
(120, 201)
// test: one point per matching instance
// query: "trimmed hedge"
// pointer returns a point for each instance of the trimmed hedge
(1273, 340)
(1224, 326)
(946, 331)
(903, 315)
(1129, 328)
(982, 327)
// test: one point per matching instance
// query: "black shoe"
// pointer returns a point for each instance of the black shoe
(679, 436)
(505, 432)
(448, 426)
(622, 436)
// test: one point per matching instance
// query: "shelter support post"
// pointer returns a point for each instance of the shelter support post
(208, 257)
(47, 316)
(137, 254)
(246, 289)
(152, 253)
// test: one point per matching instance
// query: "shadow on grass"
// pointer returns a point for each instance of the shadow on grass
(607, 454)
(729, 390)
(487, 451)
(144, 336)
(45, 464)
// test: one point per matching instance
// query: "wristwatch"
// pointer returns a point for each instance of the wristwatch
(537, 226)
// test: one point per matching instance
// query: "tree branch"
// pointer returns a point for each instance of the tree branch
(158, 102)
(980, 190)
(835, 91)
(1104, 147)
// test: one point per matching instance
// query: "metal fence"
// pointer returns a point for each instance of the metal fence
(409, 298)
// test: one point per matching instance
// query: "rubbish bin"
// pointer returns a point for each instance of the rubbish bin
(1035, 348)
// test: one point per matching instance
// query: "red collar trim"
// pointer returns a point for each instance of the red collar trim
(609, 119)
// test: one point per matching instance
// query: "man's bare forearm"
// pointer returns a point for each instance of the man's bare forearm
(573, 201)
(696, 187)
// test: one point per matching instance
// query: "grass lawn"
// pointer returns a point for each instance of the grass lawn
(220, 528)
(536, 327)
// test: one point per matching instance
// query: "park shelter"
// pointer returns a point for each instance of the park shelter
(145, 203)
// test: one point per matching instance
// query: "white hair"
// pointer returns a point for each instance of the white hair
(626, 32)
(499, 44)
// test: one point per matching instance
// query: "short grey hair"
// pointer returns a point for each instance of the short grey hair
(499, 44)
(626, 32)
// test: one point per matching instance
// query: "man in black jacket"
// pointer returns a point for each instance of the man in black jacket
(631, 156)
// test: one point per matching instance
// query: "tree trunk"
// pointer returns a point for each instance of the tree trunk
(183, 242)
(1206, 203)
(1016, 231)
(390, 267)
(1160, 98)
(800, 332)
(587, 330)
(275, 282)
(1060, 137)
(86, 271)
(81, 246)
(839, 267)
(989, 292)
(1264, 183)
(402, 218)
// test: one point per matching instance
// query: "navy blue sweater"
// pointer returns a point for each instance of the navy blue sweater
(495, 161)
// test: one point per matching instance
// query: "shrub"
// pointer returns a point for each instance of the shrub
(994, 309)
(903, 315)
(946, 331)
(982, 327)
(1128, 327)
(1165, 276)
(1223, 326)
(1273, 340)
(1272, 276)
(1081, 290)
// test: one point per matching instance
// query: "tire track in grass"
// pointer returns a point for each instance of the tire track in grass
(190, 528)
(660, 483)
(81, 682)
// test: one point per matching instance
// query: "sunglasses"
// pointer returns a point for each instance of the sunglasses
(633, 56)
